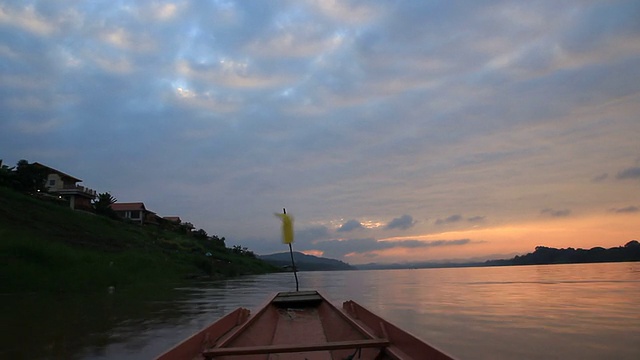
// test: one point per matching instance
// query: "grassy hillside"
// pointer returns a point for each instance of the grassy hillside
(48, 247)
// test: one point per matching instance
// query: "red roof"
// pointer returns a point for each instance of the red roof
(128, 206)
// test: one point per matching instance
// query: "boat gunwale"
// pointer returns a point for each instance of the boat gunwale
(393, 349)
(235, 332)
(237, 312)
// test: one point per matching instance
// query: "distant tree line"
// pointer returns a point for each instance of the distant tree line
(547, 255)
(244, 251)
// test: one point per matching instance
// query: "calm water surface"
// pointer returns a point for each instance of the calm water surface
(581, 311)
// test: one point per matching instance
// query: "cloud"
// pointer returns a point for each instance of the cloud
(450, 219)
(218, 111)
(346, 12)
(628, 209)
(304, 239)
(629, 173)
(556, 213)
(599, 178)
(27, 19)
(312, 234)
(403, 222)
(350, 226)
(337, 249)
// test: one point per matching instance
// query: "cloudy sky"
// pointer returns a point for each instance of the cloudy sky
(390, 130)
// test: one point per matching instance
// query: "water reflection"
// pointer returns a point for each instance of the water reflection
(64, 326)
(584, 311)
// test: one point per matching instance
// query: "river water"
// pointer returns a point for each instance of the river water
(577, 311)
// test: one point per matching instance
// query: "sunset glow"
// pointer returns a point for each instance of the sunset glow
(392, 131)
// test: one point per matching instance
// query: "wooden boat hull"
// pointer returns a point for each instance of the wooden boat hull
(303, 325)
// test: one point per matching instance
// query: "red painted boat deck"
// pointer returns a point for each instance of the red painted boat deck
(303, 325)
(297, 325)
(300, 327)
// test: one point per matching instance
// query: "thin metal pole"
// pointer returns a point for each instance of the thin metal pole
(293, 263)
(294, 266)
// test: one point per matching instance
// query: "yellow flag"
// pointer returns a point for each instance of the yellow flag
(287, 228)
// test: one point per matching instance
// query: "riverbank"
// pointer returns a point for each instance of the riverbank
(46, 247)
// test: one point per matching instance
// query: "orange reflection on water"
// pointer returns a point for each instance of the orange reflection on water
(523, 312)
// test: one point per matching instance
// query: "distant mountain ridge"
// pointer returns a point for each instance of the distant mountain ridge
(305, 262)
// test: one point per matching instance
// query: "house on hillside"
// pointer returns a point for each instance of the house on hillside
(66, 187)
(175, 223)
(135, 212)
(173, 219)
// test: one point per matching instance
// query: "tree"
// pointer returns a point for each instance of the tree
(30, 178)
(102, 205)
(185, 228)
(244, 251)
(217, 241)
(200, 234)
(7, 175)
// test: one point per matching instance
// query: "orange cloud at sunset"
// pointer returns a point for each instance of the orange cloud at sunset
(312, 252)
(608, 230)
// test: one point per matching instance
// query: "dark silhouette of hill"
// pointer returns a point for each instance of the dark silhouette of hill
(305, 262)
(547, 255)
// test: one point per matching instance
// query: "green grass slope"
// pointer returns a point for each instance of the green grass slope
(48, 247)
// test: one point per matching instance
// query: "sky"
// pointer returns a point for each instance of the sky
(392, 131)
